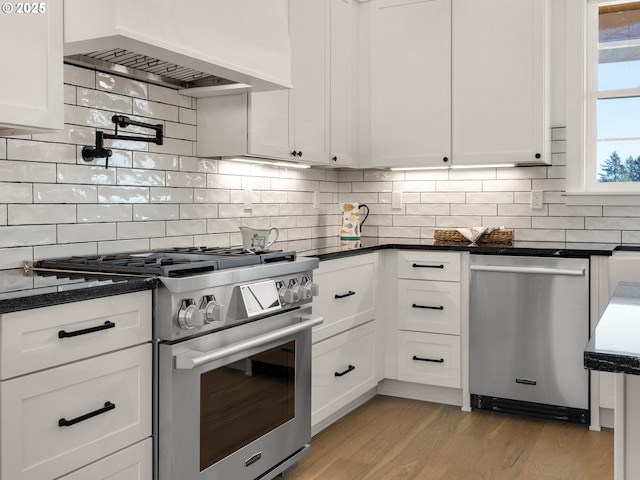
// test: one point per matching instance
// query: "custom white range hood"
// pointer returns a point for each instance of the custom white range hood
(207, 47)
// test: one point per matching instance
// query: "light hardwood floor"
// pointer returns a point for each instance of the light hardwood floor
(398, 439)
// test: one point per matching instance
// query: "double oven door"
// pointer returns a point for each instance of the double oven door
(236, 404)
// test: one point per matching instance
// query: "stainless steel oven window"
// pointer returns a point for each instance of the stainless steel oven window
(244, 400)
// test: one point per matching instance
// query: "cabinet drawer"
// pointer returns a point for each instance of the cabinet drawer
(34, 445)
(343, 368)
(443, 266)
(132, 463)
(429, 306)
(347, 294)
(30, 340)
(429, 358)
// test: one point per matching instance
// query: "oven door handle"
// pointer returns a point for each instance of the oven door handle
(193, 358)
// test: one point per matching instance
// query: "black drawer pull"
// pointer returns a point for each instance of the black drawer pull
(350, 368)
(415, 305)
(440, 360)
(63, 422)
(348, 294)
(105, 326)
(417, 265)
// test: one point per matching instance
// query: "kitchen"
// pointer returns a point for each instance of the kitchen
(54, 204)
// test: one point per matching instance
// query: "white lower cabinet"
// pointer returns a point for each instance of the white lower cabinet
(61, 419)
(132, 463)
(429, 358)
(343, 369)
(75, 390)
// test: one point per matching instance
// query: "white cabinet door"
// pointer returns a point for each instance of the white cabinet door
(341, 86)
(410, 82)
(31, 97)
(310, 67)
(499, 82)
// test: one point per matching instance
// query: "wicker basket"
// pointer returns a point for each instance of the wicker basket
(497, 237)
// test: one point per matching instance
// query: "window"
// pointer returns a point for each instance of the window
(613, 97)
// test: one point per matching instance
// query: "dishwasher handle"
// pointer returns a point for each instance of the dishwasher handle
(193, 358)
(573, 272)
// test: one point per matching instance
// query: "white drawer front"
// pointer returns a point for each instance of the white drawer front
(132, 463)
(443, 266)
(429, 306)
(343, 368)
(30, 339)
(347, 296)
(33, 445)
(429, 358)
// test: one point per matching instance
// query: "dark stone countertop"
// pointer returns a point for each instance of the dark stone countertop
(367, 245)
(615, 345)
(24, 291)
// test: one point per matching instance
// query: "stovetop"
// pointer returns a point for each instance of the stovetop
(168, 262)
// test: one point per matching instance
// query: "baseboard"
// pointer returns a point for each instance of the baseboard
(416, 391)
(606, 417)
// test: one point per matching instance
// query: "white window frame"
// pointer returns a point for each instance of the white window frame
(582, 187)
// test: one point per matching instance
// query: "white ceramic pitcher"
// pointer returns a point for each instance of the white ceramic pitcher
(257, 239)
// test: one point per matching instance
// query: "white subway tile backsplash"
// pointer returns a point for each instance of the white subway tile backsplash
(168, 95)
(104, 213)
(198, 210)
(186, 115)
(256, 183)
(271, 196)
(3, 148)
(129, 230)
(417, 186)
(64, 250)
(27, 235)
(521, 210)
(104, 101)
(78, 115)
(15, 257)
(505, 185)
(575, 211)
(521, 173)
(620, 211)
(40, 151)
(559, 133)
(539, 235)
(351, 176)
(157, 161)
(211, 196)
(372, 187)
(459, 186)
(119, 158)
(3, 214)
(381, 176)
(121, 85)
(411, 221)
(458, 222)
(161, 111)
(594, 236)
(186, 227)
(473, 174)
(108, 194)
(291, 210)
(78, 76)
(170, 195)
(27, 171)
(69, 94)
(507, 222)
(86, 232)
(70, 134)
(144, 212)
(402, 232)
(612, 223)
(439, 209)
(118, 246)
(170, 242)
(40, 214)
(141, 177)
(180, 130)
(568, 223)
(417, 175)
(59, 193)
(474, 209)
(459, 197)
(559, 146)
(233, 210)
(174, 146)
(489, 197)
(195, 164)
(557, 184)
(86, 174)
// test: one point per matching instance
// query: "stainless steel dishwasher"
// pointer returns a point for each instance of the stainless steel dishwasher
(528, 327)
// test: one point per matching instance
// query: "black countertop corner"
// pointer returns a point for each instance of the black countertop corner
(615, 345)
(20, 290)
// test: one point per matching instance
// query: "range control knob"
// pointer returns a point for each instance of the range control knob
(309, 290)
(282, 289)
(291, 293)
(211, 309)
(189, 316)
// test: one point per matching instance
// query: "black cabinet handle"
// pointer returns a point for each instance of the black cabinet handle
(107, 325)
(348, 294)
(63, 422)
(417, 265)
(445, 159)
(434, 360)
(350, 368)
(300, 153)
(415, 305)
(335, 159)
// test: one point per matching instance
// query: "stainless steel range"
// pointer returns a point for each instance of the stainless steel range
(233, 383)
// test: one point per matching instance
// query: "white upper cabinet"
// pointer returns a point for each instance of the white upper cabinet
(500, 82)
(240, 41)
(410, 82)
(295, 124)
(31, 98)
(461, 80)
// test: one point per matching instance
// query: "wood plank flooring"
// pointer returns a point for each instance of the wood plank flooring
(399, 439)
